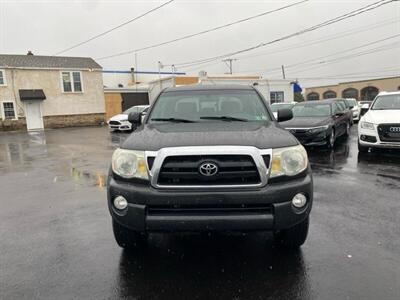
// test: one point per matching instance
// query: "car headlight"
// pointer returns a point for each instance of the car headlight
(318, 129)
(129, 164)
(288, 161)
(367, 125)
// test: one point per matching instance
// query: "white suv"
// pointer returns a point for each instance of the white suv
(380, 126)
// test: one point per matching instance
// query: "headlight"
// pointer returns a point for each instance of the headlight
(367, 125)
(318, 129)
(288, 161)
(129, 164)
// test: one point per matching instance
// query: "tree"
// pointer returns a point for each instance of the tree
(298, 97)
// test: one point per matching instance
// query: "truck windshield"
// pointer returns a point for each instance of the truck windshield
(209, 106)
(387, 102)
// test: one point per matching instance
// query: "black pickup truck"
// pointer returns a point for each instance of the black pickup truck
(210, 158)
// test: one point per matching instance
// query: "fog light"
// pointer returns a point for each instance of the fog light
(120, 202)
(299, 200)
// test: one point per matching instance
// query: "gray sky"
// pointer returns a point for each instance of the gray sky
(46, 27)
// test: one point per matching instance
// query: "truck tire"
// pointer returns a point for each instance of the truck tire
(127, 238)
(293, 237)
(362, 149)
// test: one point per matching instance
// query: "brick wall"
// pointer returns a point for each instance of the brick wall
(73, 120)
(11, 125)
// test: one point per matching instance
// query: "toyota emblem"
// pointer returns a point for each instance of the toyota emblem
(208, 169)
(395, 129)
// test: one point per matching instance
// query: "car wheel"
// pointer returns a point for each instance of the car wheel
(362, 149)
(331, 139)
(347, 133)
(293, 237)
(127, 238)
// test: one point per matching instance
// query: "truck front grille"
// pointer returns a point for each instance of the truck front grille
(389, 132)
(232, 170)
(114, 123)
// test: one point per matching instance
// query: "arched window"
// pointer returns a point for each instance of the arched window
(350, 93)
(369, 93)
(313, 96)
(329, 94)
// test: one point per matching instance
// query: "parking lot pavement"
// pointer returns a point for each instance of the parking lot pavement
(57, 243)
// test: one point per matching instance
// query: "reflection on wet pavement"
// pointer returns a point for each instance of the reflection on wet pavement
(213, 267)
(55, 150)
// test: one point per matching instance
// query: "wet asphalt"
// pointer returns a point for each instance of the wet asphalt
(56, 240)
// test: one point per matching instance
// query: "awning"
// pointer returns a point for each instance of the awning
(31, 95)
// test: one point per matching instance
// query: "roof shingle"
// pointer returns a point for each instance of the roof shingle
(47, 62)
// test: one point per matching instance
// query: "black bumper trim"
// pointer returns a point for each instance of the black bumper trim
(142, 198)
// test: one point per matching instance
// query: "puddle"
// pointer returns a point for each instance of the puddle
(88, 178)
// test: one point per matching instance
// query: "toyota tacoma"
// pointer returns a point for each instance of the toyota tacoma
(210, 158)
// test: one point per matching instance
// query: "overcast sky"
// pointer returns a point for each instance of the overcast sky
(46, 27)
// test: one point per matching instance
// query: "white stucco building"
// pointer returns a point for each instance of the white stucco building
(39, 92)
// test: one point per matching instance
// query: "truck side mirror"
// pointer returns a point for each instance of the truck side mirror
(135, 118)
(284, 114)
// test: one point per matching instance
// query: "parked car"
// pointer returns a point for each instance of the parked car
(364, 107)
(120, 122)
(277, 106)
(346, 108)
(317, 123)
(210, 158)
(380, 126)
(355, 108)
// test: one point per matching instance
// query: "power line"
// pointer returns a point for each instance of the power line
(317, 61)
(202, 32)
(344, 51)
(325, 39)
(354, 55)
(350, 14)
(114, 28)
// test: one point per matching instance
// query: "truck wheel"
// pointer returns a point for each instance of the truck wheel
(362, 149)
(293, 237)
(127, 238)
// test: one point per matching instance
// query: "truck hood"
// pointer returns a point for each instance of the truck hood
(120, 117)
(306, 122)
(382, 116)
(153, 137)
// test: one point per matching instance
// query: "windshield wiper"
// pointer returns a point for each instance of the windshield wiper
(177, 120)
(224, 118)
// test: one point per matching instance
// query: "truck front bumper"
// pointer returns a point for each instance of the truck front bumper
(154, 210)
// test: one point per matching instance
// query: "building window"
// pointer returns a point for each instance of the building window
(329, 94)
(277, 97)
(71, 82)
(350, 93)
(312, 96)
(2, 77)
(8, 110)
(369, 93)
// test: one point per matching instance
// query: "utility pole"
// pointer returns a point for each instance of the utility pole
(229, 60)
(136, 68)
(283, 72)
(173, 70)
